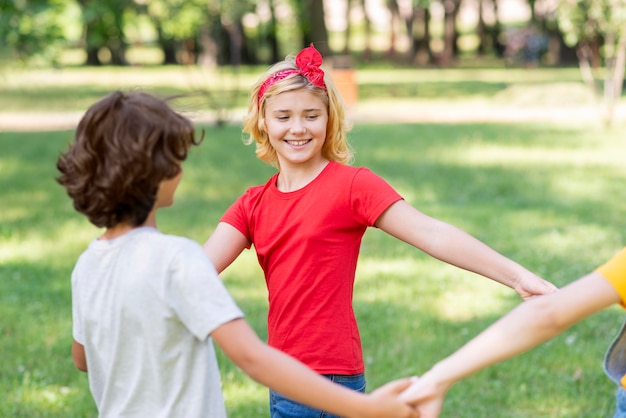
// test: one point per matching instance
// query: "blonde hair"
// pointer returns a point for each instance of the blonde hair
(335, 148)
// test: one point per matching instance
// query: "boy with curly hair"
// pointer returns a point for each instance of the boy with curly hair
(146, 306)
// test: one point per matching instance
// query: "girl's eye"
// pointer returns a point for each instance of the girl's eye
(312, 117)
(282, 118)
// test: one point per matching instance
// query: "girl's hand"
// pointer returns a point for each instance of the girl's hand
(386, 401)
(425, 396)
(531, 285)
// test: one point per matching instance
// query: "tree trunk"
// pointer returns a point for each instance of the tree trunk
(533, 14)
(496, 31)
(209, 48)
(117, 42)
(421, 52)
(103, 25)
(89, 28)
(428, 36)
(481, 31)
(394, 18)
(367, 53)
(167, 45)
(409, 21)
(584, 54)
(314, 26)
(272, 36)
(235, 41)
(348, 32)
(450, 34)
(92, 57)
(614, 73)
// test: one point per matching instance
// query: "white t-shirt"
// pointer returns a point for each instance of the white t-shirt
(143, 306)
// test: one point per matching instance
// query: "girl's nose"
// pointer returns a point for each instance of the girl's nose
(298, 128)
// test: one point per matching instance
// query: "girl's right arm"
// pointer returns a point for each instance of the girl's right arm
(291, 378)
(224, 246)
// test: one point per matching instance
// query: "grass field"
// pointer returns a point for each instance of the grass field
(74, 89)
(547, 196)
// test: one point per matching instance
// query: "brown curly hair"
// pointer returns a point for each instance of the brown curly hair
(125, 145)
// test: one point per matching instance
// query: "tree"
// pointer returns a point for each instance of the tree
(587, 24)
(312, 24)
(272, 33)
(103, 23)
(177, 24)
(489, 35)
(231, 18)
(32, 28)
(450, 33)
(418, 30)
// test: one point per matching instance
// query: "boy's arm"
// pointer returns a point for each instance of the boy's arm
(78, 355)
(224, 245)
(526, 326)
(454, 246)
(293, 379)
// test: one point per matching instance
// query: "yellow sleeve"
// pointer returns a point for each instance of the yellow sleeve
(614, 271)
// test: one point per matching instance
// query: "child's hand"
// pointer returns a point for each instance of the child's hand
(424, 396)
(385, 401)
(531, 285)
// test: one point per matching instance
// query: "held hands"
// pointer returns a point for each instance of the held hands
(425, 396)
(386, 401)
(531, 285)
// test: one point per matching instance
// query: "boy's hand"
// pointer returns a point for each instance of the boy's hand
(385, 401)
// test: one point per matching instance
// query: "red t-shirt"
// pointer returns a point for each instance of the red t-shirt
(307, 244)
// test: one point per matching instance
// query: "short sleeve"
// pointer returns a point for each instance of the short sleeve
(614, 271)
(239, 214)
(198, 295)
(371, 195)
(77, 329)
(235, 216)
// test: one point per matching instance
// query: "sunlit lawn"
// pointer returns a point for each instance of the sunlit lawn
(550, 197)
(75, 88)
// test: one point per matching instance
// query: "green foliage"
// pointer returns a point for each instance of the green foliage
(32, 28)
(588, 20)
(104, 23)
(548, 196)
(177, 19)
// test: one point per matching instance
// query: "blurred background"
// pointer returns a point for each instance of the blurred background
(586, 35)
(218, 32)
(503, 117)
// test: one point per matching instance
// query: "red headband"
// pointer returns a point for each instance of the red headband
(308, 61)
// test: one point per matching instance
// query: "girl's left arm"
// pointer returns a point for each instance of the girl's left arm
(454, 246)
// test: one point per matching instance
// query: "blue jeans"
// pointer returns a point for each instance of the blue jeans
(620, 404)
(282, 407)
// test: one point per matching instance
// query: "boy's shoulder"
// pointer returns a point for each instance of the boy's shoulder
(146, 239)
(177, 242)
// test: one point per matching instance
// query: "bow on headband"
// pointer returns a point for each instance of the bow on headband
(308, 61)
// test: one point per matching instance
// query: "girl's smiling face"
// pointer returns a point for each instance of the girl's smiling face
(296, 126)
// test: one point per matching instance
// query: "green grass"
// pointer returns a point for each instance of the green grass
(75, 88)
(548, 196)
